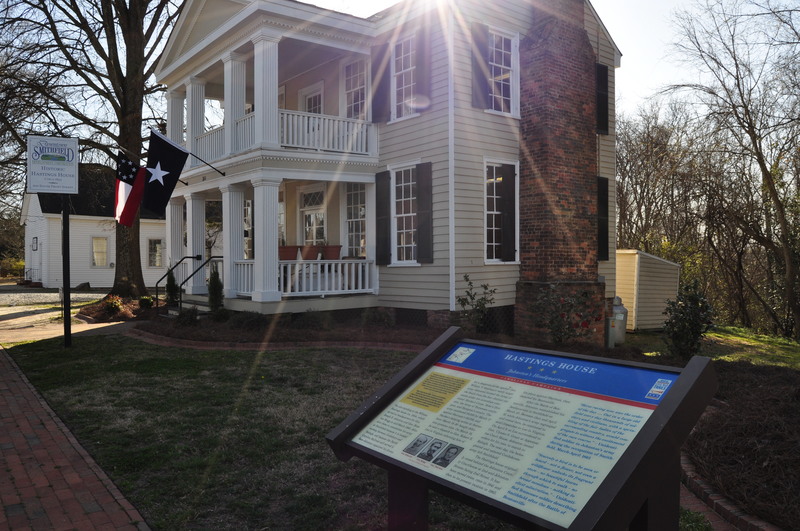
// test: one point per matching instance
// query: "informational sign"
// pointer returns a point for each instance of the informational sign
(533, 431)
(52, 165)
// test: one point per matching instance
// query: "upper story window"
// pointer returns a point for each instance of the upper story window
(403, 78)
(495, 70)
(355, 89)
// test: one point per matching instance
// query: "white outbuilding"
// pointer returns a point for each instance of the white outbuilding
(645, 283)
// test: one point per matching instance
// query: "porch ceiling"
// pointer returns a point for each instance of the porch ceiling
(294, 58)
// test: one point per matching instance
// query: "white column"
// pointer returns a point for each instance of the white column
(265, 227)
(196, 112)
(175, 104)
(233, 236)
(196, 241)
(234, 98)
(265, 90)
(175, 230)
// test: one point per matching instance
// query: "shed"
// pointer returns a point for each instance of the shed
(645, 283)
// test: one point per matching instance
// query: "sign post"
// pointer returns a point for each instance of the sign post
(53, 168)
(540, 438)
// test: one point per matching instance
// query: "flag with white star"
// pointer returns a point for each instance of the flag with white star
(165, 161)
(128, 190)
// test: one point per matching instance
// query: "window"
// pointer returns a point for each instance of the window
(602, 219)
(154, 253)
(356, 211)
(99, 252)
(501, 212)
(35, 243)
(495, 70)
(312, 212)
(403, 76)
(403, 215)
(355, 89)
(310, 98)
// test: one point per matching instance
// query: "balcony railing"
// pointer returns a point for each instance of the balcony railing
(298, 130)
(306, 278)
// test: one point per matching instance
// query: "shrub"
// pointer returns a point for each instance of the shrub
(249, 321)
(187, 317)
(689, 317)
(475, 306)
(377, 317)
(12, 267)
(112, 304)
(220, 315)
(146, 302)
(312, 320)
(172, 289)
(215, 296)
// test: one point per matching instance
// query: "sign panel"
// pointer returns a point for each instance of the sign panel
(52, 165)
(533, 431)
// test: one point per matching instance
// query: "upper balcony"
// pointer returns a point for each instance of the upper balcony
(279, 94)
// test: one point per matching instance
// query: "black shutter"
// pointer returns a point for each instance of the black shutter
(602, 99)
(425, 213)
(383, 225)
(508, 213)
(480, 65)
(381, 70)
(602, 218)
(423, 69)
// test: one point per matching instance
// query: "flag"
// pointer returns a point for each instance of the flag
(165, 161)
(128, 190)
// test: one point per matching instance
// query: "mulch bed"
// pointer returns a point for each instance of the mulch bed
(747, 445)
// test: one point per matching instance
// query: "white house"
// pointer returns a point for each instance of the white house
(92, 235)
(429, 141)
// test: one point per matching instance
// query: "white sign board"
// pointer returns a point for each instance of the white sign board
(52, 165)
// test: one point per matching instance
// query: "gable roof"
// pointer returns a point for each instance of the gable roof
(95, 196)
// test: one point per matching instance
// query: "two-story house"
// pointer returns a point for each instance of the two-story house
(431, 140)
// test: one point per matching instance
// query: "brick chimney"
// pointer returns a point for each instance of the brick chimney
(558, 170)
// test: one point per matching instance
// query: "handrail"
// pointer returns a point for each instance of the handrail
(193, 273)
(171, 269)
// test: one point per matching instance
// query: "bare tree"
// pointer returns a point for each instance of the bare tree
(94, 62)
(742, 57)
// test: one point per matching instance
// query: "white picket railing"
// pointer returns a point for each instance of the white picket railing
(324, 133)
(245, 132)
(210, 145)
(304, 278)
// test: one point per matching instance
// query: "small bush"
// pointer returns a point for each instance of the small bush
(377, 317)
(187, 317)
(565, 317)
(215, 295)
(172, 289)
(475, 306)
(146, 302)
(220, 315)
(12, 267)
(313, 320)
(689, 317)
(249, 321)
(112, 304)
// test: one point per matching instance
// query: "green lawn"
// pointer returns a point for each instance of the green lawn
(235, 439)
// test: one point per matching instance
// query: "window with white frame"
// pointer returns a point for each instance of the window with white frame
(403, 78)
(99, 251)
(311, 98)
(501, 212)
(405, 214)
(155, 249)
(501, 72)
(312, 214)
(356, 211)
(355, 89)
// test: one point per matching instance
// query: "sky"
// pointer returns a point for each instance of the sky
(643, 30)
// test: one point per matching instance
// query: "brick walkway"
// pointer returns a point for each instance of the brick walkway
(47, 480)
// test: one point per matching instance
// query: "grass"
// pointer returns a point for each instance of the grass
(235, 440)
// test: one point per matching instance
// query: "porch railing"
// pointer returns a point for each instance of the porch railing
(299, 130)
(306, 278)
(324, 133)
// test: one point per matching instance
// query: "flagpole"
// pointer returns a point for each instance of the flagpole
(206, 163)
